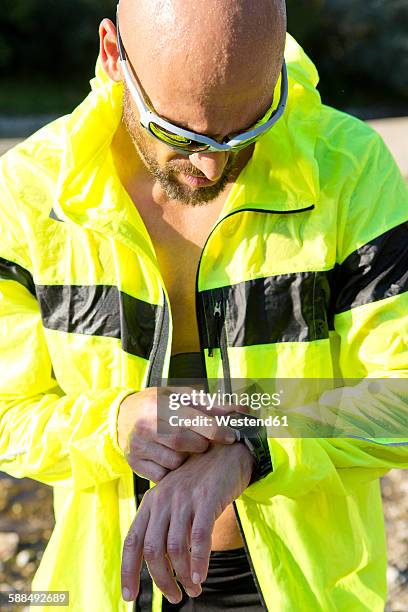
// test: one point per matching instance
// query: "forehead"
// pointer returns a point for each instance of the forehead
(200, 69)
(203, 98)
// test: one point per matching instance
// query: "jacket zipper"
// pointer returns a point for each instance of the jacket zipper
(159, 349)
(219, 311)
(221, 330)
(251, 565)
(201, 320)
(154, 377)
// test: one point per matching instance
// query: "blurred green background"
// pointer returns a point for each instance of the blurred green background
(48, 50)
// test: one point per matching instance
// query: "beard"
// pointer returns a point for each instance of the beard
(167, 176)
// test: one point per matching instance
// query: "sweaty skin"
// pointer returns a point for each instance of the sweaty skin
(217, 62)
(211, 67)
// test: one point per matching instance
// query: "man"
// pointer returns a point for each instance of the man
(125, 246)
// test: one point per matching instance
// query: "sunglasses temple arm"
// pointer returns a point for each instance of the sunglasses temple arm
(142, 107)
(285, 88)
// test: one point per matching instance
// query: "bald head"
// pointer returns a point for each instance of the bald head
(210, 65)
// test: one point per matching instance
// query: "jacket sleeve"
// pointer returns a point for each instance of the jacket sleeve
(44, 434)
(370, 330)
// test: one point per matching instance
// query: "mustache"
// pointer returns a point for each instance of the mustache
(178, 167)
(191, 170)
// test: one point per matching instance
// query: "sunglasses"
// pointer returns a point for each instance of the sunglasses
(187, 142)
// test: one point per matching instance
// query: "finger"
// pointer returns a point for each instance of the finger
(155, 551)
(183, 440)
(209, 429)
(201, 531)
(204, 401)
(178, 550)
(163, 456)
(201, 423)
(132, 555)
(148, 469)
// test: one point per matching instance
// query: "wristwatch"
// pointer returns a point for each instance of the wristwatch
(256, 441)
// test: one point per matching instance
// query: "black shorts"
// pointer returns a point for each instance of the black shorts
(229, 586)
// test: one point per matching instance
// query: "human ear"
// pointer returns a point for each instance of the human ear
(108, 50)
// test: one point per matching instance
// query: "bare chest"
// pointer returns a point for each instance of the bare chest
(178, 243)
(178, 265)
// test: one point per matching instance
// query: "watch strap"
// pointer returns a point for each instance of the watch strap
(256, 441)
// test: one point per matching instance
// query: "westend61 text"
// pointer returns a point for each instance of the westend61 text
(209, 400)
(228, 421)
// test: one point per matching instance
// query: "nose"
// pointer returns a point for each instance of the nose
(210, 164)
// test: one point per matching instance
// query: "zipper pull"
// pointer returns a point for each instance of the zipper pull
(217, 314)
(217, 309)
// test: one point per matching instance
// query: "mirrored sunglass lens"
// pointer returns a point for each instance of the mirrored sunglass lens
(176, 140)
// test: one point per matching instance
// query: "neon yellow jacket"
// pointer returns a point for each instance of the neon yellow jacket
(84, 313)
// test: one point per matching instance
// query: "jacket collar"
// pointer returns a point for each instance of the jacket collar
(89, 192)
(281, 175)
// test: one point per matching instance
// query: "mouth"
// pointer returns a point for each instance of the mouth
(195, 181)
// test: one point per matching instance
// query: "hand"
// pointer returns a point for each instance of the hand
(151, 454)
(173, 527)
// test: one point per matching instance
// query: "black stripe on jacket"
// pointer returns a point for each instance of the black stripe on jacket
(281, 308)
(12, 271)
(100, 310)
(375, 271)
(294, 307)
